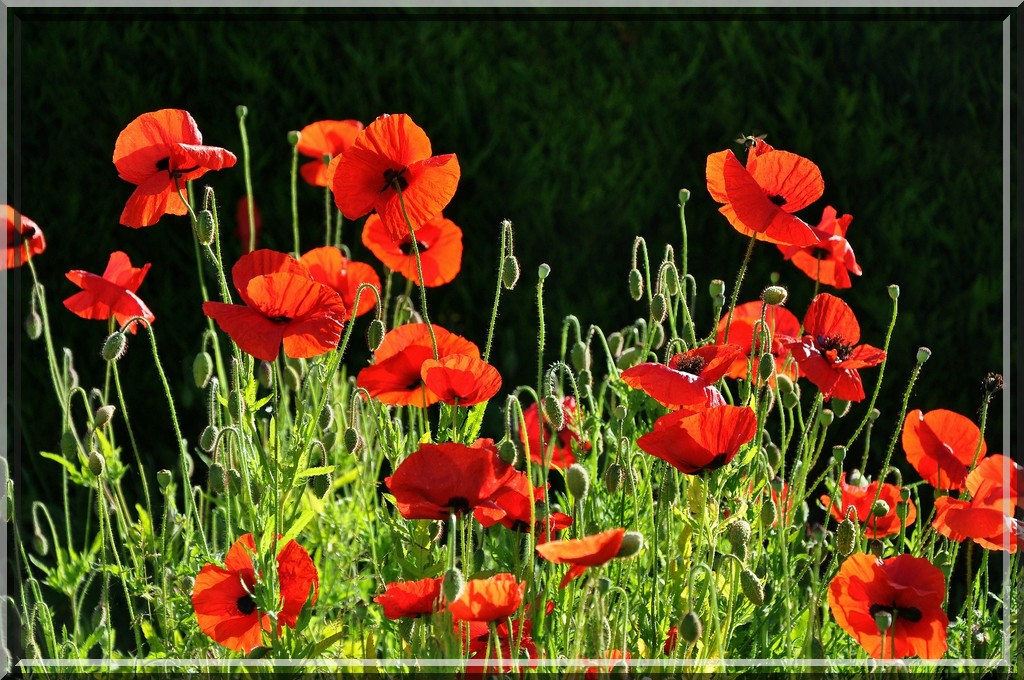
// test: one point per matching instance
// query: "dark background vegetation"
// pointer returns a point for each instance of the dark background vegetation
(580, 128)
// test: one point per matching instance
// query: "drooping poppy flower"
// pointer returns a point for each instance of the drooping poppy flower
(988, 517)
(325, 138)
(689, 377)
(395, 377)
(330, 267)
(411, 599)
(862, 498)
(438, 240)
(242, 222)
(437, 480)
(460, 379)
(760, 197)
(283, 306)
(671, 640)
(831, 260)
(488, 599)
(24, 238)
(784, 327)
(909, 589)
(702, 441)
(394, 153)
(560, 444)
(828, 353)
(580, 553)
(160, 152)
(112, 294)
(223, 596)
(992, 475)
(940, 445)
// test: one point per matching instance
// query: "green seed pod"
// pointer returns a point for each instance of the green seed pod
(716, 288)
(114, 346)
(97, 464)
(554, 412)
(846, 537)
(205, 228)
(265, 374)
(690, 628)
(751, 587)
(620, 412)
(718, 301)
(453, 585)
(923, 354)
(292, 380)
(510, 272)
(375, 334)
(883, 620)
(163, 478)
(33, 325)
(208, 438)
(68, 444)
(234, 481)
(103, 416)
(636, 284)
(614, 477)
(880, 508)
(774, 295)
(202, 369)
(684, 196)
(218, 478)
(293, 137)
(632, 543)
(659, 307)
(894, 292)
(769, 513)
(841, 407)
(577, 481)
(839, 454)
(739, 537)
(825, 417)
(236, 403)
(326, 418)
(353, 442)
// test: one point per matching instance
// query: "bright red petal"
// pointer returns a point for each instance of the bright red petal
(254, 333)
(431, 185)
(828, 316)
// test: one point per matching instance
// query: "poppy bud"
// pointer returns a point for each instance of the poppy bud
(241, 110)
(320, 485)
(190, 466)
(40, 544)
(10, 499)
(208, 438)
(873, 414)
(632, 543)
(205, 228)
(894, 292)
(330, 438)
(790, 399)
(265, 374)
(766, 367)
(580, 356)
(202, 369)
(293, 137)
(163, 478)
(615, 342)
(716, 288)
(103, 416)
(614, 477)
(659, 307)
(801, 514)
(292, 379)
(353, 441)
(234, 481)
(68, 444)
(543, 271)
(554, 412)
(690, 628)
(114, 346)
(880, 508)
(883, 620)
(875, 547)
(510, 272)
(774, 295)
(826, 417)
(453, 585)
(628, 358)
(218, 478)
(658, 333)
(839, 453)
(507, 451)
(751, 587)
(846, 537)
(636, 284)
(33, 325)
(97, 464)
(784, 383)
(774, 456)
(923, 353)
(769, 513)
(326, 418)
(619, 412)
(902, 509)
(684, 196)
(577, 481)
(671, 280)
(236, 403)
(375, 334)
(739, 537)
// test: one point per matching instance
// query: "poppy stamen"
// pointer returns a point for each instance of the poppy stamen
(164, 163)
(406, 246)
(281, 319)
(458, 505)
(246, 604)
(687, 364)
(778, 200)
(834, 343)
(393, 178)
(820, 253)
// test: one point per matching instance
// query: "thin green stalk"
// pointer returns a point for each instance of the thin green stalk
(899, 424)
(131, 438)
(295, 200)
(242, 111)
(739, 281)
(497, 292)
(878, 384)
(419, 269)
(327, 217)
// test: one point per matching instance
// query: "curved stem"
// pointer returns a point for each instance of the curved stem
(739, 281)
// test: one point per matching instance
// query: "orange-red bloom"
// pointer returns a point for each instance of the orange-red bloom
(110, 295)
(330, 267)
(460, 379)
(160, 152)
(392, 154)
(831, 260)
(283, 306)
(759, 198)
(940, 445)
(701, 441)
(439, 242)
(784, 327)
(862, 498)
(589, 551)
(828, 354)
(395, 377)
(479, 643)
(438, 480)
(223, 596)
(909, 589)
(24, 238)
(411, 599)
(511, 508)
(323, 138)
(488, 599)
(689, 377)
(987, 518)
(561, 444)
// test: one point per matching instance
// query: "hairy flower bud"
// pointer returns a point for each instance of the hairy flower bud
(766, 367)
(375, 334)
(774, 455)
(114, 346)
(97, 464)
(632, 543)
(554, 412)
(614, 477)
(508, 451)
(265, 374)
(208, 438)
(636, 284)
(671, 280)
(218, 478)
(846, 537)
(577, 481)
(326, 418)
(510, 272)
(292, 380)
(784, 383)
(353, 442)
(202, 369)
(205, 229)
(33, 325)
(751, 587)
(453, 585)
(103, 416)
(769, 513)
(659, 307)
(690, 628)
(774, 295)
(236, 403)
(580, 355)
(739, 538)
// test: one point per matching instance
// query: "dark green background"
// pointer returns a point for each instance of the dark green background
(580, 128)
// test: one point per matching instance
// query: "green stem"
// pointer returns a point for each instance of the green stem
(497, 291)
(739, 281)
(295, 200)
(419, 270)
(242, 112)
(878, 385)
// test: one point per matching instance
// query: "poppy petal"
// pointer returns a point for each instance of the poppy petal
(431, 186)
(254, 333)
(260, 263)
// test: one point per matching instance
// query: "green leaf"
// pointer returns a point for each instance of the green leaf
(474, 421)
(313, 472)
(76, 476)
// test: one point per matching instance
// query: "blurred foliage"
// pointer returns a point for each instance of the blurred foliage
(580, 127)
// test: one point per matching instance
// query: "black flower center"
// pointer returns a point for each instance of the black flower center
(406, 246)
(16, 238)
(164, 163)
(458, 504)
(911, 614)
(394, 177)
(415, 384)
(246, 604)
(280, 319)
(834, 342)
(820, 253)
(716, 462)
(778, 200)
(687, 364)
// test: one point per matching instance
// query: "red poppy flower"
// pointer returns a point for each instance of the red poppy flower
(615, 656)
(438, 240)
(831, 260)
(283, 305)
(110, 295)
(589, 551)
(330, 267)
(460, 379)
(411, 599)
(689, 377)
(24, 238)
(160, 152)
(988, 517)
(940, 445)
(671, 640)
(909, 589)
(759, 198)
(242, 220)
(862, 498)
(437, 480)
(394, 151)
(395, 377)
(705, 440)
(992, 474)
(511, 508)
(784, 327)
(488, 599)
(325, 138)
(828, 354)
(561, 445)
(223, 597)
(479, 643)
